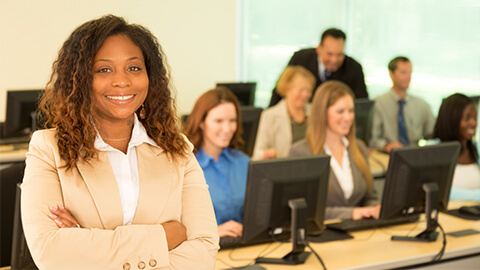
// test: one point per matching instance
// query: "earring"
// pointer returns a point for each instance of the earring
(142, 112)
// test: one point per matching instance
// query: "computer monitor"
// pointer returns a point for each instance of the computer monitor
(245, 92)
(21, 118)
(363, 118)
(419, 180)
(285, 195)
(476, 100)
(250, 116)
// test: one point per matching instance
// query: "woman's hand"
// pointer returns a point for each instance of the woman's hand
(230, 228)
(175, 232)
(366, 212)
(270, 153)
(63, 218)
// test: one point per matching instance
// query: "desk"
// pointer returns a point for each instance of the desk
(370, 249)
(378, 162)
(13, 153)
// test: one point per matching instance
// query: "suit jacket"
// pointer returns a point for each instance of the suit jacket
(337, 205)
(274, 131)
(168, 191)
(350, 72)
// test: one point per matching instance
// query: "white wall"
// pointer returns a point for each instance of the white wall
(198, 37)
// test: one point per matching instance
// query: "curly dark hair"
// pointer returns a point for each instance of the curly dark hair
(67, 102)
(203, 105)
(447, 127)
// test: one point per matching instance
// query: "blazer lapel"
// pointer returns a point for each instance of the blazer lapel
(155, 174)
(100, 180)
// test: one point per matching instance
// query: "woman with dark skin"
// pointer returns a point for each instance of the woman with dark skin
(112, 182)
(457, 121)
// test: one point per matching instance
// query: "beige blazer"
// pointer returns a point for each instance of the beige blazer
(168, 191)
(274, 131)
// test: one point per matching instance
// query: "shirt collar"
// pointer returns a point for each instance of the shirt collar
(396, 97)
(204, 159)
(345, 142)
(139, 136)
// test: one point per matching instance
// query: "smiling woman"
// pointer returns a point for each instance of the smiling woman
(215, 130)
(331, 130)
(123, 191)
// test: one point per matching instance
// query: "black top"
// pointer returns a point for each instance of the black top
(350, 72)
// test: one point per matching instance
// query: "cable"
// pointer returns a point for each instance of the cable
(439, 255)
(316, 254)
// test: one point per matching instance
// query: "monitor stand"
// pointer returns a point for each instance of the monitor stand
(298, 232)
(431, 212)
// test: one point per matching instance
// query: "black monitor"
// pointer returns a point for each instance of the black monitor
(21, 119)
(245, 92)
(476, 100)
(285, 195)
(250, 116)
(418, 181)
(363, 118)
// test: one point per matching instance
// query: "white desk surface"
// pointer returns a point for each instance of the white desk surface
(370, 249)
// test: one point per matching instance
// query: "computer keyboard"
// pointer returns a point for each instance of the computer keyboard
(230, 242)
(361, 224)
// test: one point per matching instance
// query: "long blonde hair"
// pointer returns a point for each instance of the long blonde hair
(327, 94)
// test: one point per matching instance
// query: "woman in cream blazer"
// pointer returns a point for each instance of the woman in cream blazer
(112, 183)
(168, 191)
(275, 130)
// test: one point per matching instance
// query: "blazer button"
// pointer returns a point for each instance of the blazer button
(141, 265)
(152, 263)
(126, 266)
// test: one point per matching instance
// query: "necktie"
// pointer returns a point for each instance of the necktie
(402, 128)
(326, 74)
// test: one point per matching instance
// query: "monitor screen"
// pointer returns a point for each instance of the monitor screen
(245, 92)
(250, 116)
(20, 117)
(363, 118)
(270, 186)
(412, 172)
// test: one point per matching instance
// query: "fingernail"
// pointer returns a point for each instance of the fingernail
(53, 216)
(53, 208)
(58, 221)
(61, 207)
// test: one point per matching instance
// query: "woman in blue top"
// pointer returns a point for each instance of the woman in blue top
(214, 128)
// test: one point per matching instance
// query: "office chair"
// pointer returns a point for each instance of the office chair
(21, 258)
(363, 118)
(250, 117)
(9, 177)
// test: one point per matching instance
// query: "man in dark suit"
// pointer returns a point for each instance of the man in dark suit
(328, 62)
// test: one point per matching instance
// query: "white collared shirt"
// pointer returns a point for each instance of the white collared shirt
(125, 168)
(343, 172)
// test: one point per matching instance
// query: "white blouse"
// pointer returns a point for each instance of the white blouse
(343, 172)
(125, 168)
(467, 176)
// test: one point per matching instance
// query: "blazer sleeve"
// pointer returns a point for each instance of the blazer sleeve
(358, 84)
(95, 248)
(377, 140)
(200, 251)
(263, 135)
(371, 198)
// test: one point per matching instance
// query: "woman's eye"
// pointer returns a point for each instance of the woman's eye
(135, 68)
(103, 70)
